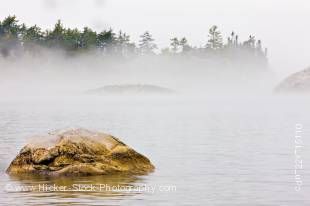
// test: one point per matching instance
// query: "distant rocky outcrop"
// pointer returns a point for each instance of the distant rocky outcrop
(78, 152)
(296, 83)
(131, 89)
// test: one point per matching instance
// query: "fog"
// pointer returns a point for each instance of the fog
(54, 73)
(276, 22)
(208, 113)
(280, 24)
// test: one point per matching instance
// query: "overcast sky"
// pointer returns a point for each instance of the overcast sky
(282, 25)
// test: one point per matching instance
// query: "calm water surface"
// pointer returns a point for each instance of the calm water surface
(207, 152)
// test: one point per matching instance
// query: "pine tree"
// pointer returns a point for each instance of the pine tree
(250, 43)
(9, 27)
(123, 43)
(236, 42)
(106, 40)
(32, 37)
(215, 39)
(259, 45)
(231, 39)
(88, 38)
(72, 39)
(56, 36)
(33, 34)
(147, 44)
(9, 36)
(16, 38)
(184, 45)
(174, 45)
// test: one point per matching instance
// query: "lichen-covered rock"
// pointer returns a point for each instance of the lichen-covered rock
(296, 83)
(78, 152)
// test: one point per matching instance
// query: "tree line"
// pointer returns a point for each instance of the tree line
(16, 39)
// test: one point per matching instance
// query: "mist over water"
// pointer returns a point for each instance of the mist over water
(209, 120)
(219, 151)
(216, 139)
(53, 73)
(274, 24)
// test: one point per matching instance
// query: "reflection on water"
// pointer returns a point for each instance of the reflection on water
(103, 186)
(71, 190)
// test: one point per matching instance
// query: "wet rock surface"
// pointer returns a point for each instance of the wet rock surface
(78, 152)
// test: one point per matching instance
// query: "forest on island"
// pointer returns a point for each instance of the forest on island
(18, 39)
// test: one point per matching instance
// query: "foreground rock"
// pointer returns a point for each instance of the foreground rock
(78, 152)
(296, 83)
(131, 89)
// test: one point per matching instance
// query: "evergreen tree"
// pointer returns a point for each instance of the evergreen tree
(123, 38)
(16, 38)
(184, 45)
(123, 43)
(174, 45)
(215, 38)
(33, 34)
(231, 39)
(56, 36)
(106, 40)
(72, 39)
(236, 42)
(9, 34)
(9, 27)
(32, 37)
(147, 44)
(250, 43)
(259, 45)
(88, 38)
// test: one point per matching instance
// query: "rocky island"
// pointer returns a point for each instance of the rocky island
(78, 152)
(131, 89)
(296, 83)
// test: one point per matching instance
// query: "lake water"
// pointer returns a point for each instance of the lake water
(212, 151)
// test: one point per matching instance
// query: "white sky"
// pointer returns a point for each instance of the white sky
(283, 25)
